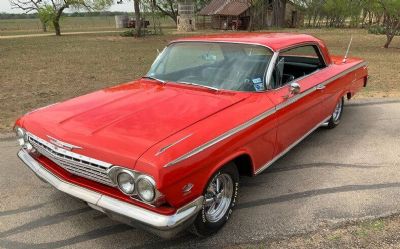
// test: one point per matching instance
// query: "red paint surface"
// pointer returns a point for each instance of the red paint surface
(127, 125)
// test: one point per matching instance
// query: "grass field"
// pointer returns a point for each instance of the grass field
(68, 24)
(42, 70)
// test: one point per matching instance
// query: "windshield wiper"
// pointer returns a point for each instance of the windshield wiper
(194, 84)
(153, 78)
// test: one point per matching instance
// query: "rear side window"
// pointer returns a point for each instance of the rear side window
(295, 63)
(305, 52)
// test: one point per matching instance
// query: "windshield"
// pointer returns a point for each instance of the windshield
(217, 65)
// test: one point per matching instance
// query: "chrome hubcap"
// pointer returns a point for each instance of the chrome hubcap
(337, 112)
(218, 197)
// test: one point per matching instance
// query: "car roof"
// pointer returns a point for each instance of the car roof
(275, 41)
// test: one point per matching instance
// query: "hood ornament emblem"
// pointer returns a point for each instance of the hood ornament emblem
(62, 144)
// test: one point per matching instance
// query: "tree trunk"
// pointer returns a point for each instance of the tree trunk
(364, 17)
(389, 39)
(56, 20)
(279, 10)
(392, 26)
(57, 28)
(44, 26)
(251, 19)
(138, 23)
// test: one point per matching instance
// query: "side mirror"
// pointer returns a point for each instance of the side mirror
(294, 88)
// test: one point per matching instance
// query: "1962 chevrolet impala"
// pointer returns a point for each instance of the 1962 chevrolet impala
(165, 152)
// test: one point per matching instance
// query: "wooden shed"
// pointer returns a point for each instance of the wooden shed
(234, 14)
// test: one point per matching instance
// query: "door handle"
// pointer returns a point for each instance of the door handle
(320, 87)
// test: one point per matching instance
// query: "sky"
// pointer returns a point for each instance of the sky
(128, 6)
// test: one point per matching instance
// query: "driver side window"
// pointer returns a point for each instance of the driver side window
(296, 63)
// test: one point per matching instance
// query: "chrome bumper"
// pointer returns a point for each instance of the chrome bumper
(162, 225)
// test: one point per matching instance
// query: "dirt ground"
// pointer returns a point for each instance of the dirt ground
(37, 71)
(380, 233)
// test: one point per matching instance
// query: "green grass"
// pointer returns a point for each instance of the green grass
(366, 228)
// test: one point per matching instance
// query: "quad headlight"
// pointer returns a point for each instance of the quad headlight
(22, 138)
(134, 184)
(126, 182)
(145, 188)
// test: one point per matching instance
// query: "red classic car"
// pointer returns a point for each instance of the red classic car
(166, 152)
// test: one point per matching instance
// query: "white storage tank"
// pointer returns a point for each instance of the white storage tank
(121, 22)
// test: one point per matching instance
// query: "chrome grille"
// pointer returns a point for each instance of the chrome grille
(74, 163)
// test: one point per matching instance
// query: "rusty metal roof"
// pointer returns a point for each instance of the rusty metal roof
(225, 8)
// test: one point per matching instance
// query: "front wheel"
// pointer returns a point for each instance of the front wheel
(219, 200)
(336, 115)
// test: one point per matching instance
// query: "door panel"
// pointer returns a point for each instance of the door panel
(297, 114)
(334, 89)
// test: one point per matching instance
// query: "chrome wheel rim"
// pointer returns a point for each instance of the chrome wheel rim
(218, 197)
(337, 112)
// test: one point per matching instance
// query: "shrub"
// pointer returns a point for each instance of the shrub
(380, 30)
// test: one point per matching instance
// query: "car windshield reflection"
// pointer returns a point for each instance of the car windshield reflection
(215, 65)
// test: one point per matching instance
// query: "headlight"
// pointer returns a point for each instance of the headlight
(136, 185)
(126, 182)
(146, 189)
(21, 136)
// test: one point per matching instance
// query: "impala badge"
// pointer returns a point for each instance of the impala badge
(62, 145)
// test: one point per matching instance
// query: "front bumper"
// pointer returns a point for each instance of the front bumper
(163, 225)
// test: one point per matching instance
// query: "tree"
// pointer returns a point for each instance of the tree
(54, 8)
(45, 14)
(32, 5)
(137, 10)
(391, 10)
(138, 22)
(60, 5)
(279, 9)
(168, 8)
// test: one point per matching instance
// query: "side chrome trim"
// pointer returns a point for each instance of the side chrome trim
(351, 69)
(295, 98)
(163, 149)
(222, 137)
(262, 116)
(109, 204)
(320, 86)
(290, 147)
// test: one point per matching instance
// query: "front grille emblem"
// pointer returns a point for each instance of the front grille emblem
(62, 144)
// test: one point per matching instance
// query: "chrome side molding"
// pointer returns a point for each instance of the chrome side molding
(290, 147)
(222, 137)
(263, 116)
(162, 150)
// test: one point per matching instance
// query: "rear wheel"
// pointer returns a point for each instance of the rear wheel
(219, 200)
(336, 115)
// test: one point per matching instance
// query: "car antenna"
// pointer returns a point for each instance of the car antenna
(347, 51)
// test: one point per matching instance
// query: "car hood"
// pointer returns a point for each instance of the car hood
(119, 124)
